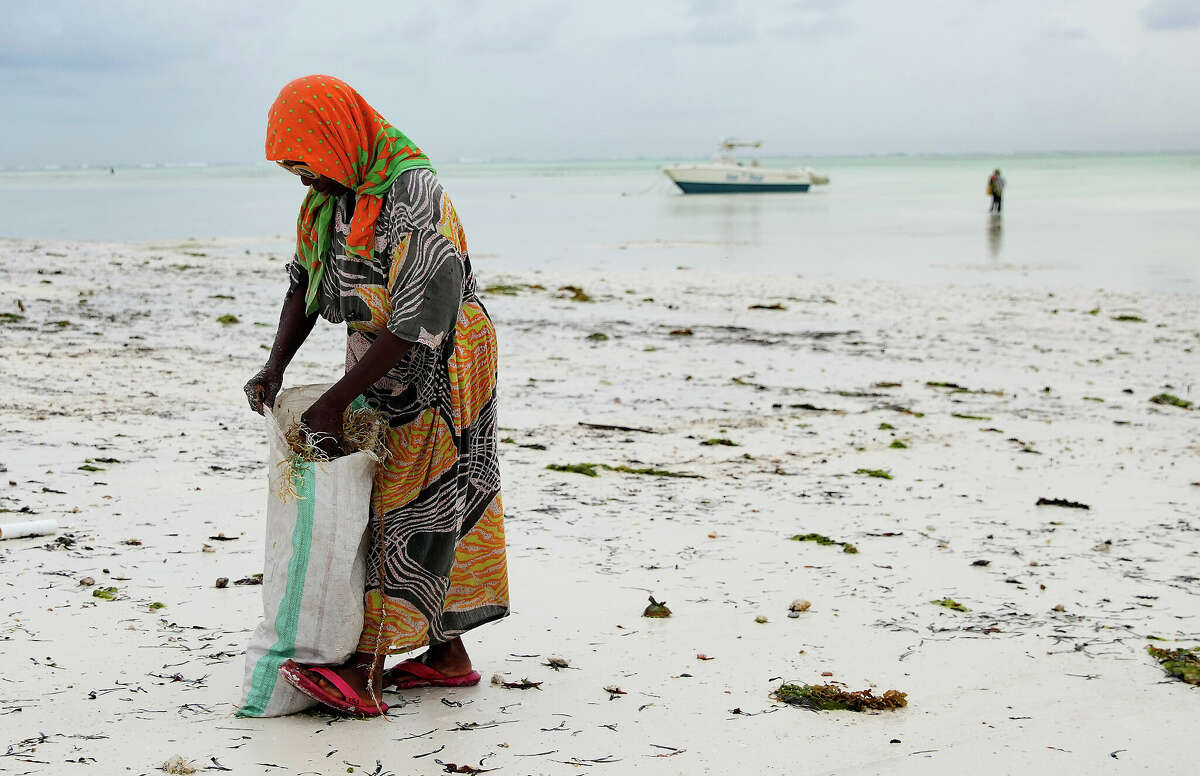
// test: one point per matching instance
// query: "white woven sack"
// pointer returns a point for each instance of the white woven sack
(315, 570)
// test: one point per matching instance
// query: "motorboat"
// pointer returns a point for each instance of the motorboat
(726, 174)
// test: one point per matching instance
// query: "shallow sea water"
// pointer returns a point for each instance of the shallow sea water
(1123, 222)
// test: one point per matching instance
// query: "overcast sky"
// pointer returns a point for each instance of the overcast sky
(127, 82)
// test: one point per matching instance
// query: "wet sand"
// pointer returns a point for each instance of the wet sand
(118, 362)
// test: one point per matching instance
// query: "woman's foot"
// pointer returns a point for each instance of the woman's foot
(449, 658)
(354, 674)
(442, 665)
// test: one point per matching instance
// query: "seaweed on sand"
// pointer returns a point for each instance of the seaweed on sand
(1061, 502)
(577, 293)
(505, 289)
(956, 388)
(809, 407)
(847, 547)
(901, 409)
(652, 472)
(589, 470)
(950, 603)
(830, 697)
(106, 593)
(524, 684)
(227, 319)
(1171, 400)
(719, 441)
(882, 474)
(586, 469)
(858, 394)
(1182, 663)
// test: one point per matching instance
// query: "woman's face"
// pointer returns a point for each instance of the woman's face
(313, 180)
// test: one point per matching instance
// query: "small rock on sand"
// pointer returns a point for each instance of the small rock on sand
(799, 605)
(176, 764)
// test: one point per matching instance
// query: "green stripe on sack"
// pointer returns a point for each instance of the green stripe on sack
(287, 619)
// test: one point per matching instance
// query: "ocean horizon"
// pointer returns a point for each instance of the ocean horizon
(787, 158)
(1112, 220)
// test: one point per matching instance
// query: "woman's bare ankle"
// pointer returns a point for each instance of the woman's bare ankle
(449, 657)
(370, 665)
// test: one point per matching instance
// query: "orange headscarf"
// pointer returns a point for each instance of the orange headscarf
(321, 121)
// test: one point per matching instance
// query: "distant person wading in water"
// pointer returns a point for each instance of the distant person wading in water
(995, 187)
(380, 248)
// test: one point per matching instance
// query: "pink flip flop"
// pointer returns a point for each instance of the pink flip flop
(350, 702)
(425, 676)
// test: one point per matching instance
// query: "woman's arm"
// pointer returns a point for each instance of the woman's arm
(324, 418)
(294, 327)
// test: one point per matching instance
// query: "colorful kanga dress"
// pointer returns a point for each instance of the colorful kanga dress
(437, 563)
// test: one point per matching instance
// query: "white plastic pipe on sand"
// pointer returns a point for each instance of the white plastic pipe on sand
(28, 528)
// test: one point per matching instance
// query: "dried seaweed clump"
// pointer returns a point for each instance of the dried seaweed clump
(1182, 663)
(362, 432)
(589, 470)
(1171, 401)
(830, 697)
(847, 547)
(586, 469)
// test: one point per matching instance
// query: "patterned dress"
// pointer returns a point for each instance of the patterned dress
(437, 561)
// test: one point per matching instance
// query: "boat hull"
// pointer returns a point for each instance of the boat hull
(698, 187)
(737, 179)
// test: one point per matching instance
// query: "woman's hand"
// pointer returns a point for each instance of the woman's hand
(324, 420)
(263, 388)
(324, 423)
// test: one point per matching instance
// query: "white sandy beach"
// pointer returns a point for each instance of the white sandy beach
(116, 353)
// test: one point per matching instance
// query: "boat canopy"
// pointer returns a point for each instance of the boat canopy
(730, 143)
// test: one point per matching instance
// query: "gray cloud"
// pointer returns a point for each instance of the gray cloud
(131, 81)
(1171, 14)
(1067, 32)
(73, 35)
